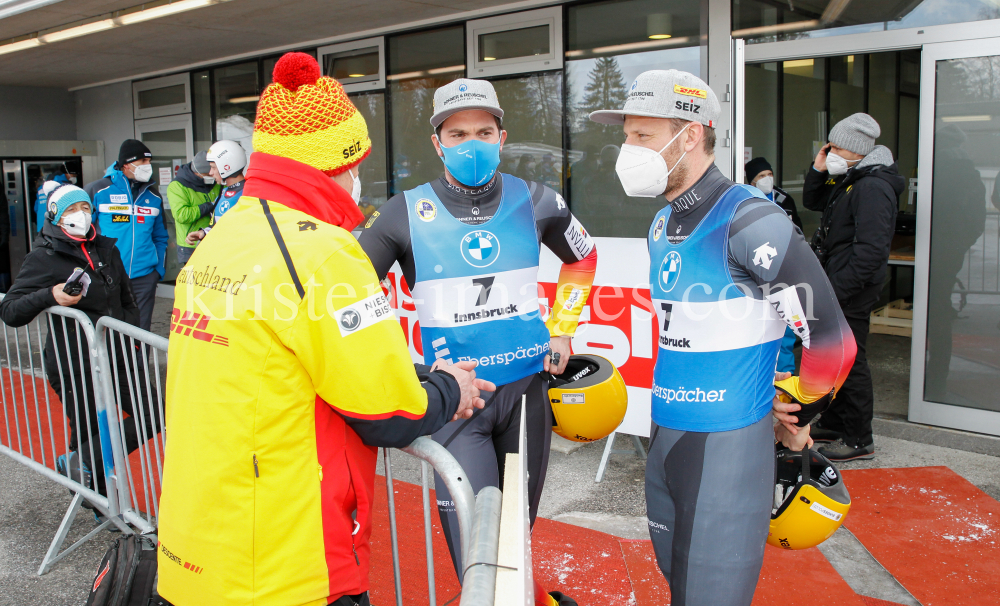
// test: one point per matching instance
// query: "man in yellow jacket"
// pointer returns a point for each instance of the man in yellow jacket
(286, 370)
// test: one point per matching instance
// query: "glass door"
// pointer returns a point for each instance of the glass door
(170, 140)
(955, 370)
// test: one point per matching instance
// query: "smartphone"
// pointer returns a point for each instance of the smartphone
(74, 285)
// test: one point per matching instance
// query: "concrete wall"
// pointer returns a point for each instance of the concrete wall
(104, 114)
(33, 113)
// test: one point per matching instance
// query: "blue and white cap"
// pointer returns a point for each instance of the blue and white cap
(666, 94)
(462, 94)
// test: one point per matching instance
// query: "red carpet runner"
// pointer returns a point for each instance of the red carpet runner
(932, 529)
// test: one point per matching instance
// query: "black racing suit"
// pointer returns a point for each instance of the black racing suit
(481, 444)
(709, 495)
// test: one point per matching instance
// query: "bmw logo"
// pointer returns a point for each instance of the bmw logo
(350, 320)
(480, 248)
(462, 88)
(670, 270)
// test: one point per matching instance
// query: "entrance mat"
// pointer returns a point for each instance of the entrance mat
(930, 528)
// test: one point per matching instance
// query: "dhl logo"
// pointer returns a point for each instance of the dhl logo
(690, 92)
(191, 324)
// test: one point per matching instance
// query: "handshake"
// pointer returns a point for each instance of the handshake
(465, 374)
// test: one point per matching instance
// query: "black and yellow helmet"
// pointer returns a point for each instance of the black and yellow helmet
(810, 500)
(588, 399)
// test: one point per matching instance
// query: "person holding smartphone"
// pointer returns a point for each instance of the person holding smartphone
(70, 246)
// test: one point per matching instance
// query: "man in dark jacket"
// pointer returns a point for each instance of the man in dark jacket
(68, 241)
(856, 185)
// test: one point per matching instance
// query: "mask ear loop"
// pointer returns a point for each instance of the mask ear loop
(660, 153)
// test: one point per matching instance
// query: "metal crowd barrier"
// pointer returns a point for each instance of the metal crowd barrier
(36, 428)
(478, 523)
(129, 360)
(114, 374)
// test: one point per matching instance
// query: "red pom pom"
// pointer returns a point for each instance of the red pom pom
(295, 69)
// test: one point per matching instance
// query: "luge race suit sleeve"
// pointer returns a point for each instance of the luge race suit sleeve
(563, 234)
(768, 255)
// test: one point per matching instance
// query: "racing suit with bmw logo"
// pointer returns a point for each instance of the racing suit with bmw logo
(728, 272)
(470, 258)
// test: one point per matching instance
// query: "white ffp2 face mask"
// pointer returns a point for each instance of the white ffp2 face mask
(837, 164)
(356, 188)
(209, 180)
(143, 173)
(765, 184)
(643, 171)
(76, 224)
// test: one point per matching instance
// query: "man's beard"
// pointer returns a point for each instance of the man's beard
(678, 175)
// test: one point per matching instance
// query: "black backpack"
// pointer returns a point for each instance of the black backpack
(127, 574)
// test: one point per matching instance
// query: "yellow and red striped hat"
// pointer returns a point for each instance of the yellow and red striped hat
(309, 118)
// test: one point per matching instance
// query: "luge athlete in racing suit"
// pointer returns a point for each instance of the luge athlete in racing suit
(728, 271)
(468, 246)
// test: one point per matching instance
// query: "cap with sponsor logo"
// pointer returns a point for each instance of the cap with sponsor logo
(463, 94)
(666, 94)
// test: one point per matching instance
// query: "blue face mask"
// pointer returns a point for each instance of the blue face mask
(473, 163)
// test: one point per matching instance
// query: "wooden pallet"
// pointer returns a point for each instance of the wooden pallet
(896, 318)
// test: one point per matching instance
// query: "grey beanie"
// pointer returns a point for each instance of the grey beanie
(200, 163)
(856, 133)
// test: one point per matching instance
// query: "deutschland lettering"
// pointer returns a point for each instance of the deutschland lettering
(510, 310)
(211, 280)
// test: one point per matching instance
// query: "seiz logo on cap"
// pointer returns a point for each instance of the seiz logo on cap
(690, 92)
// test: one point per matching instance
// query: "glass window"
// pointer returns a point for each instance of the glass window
(158, 97)
(360, 65)
(769, 21)
(963, 290)
(532, 108)
(761, 116)
(236, 96)
(419, 63)
(609, 44)
(374, 181)
(847, 86)
(201, 97)
(804, 128)
(514, 43)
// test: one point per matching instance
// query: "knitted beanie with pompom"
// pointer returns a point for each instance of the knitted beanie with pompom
(309, 118)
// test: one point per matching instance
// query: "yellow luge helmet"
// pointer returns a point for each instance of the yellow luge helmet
(810, 500)
(588, 399)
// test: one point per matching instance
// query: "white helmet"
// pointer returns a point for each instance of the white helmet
(228, 157)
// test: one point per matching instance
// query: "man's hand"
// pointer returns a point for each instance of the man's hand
(558, 345)
(820, 162)
(793, 441)
(470, 386)
(195, 237)
(64, 299)
(781, 408)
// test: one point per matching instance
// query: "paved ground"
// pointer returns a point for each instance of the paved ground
(32, 507)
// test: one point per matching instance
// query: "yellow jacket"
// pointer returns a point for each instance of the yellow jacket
(269, 396)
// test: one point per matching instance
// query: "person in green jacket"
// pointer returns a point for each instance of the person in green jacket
(192, 196)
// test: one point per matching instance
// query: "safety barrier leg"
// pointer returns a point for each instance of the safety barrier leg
(392, 527)
(53, 555)
(609, 449)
